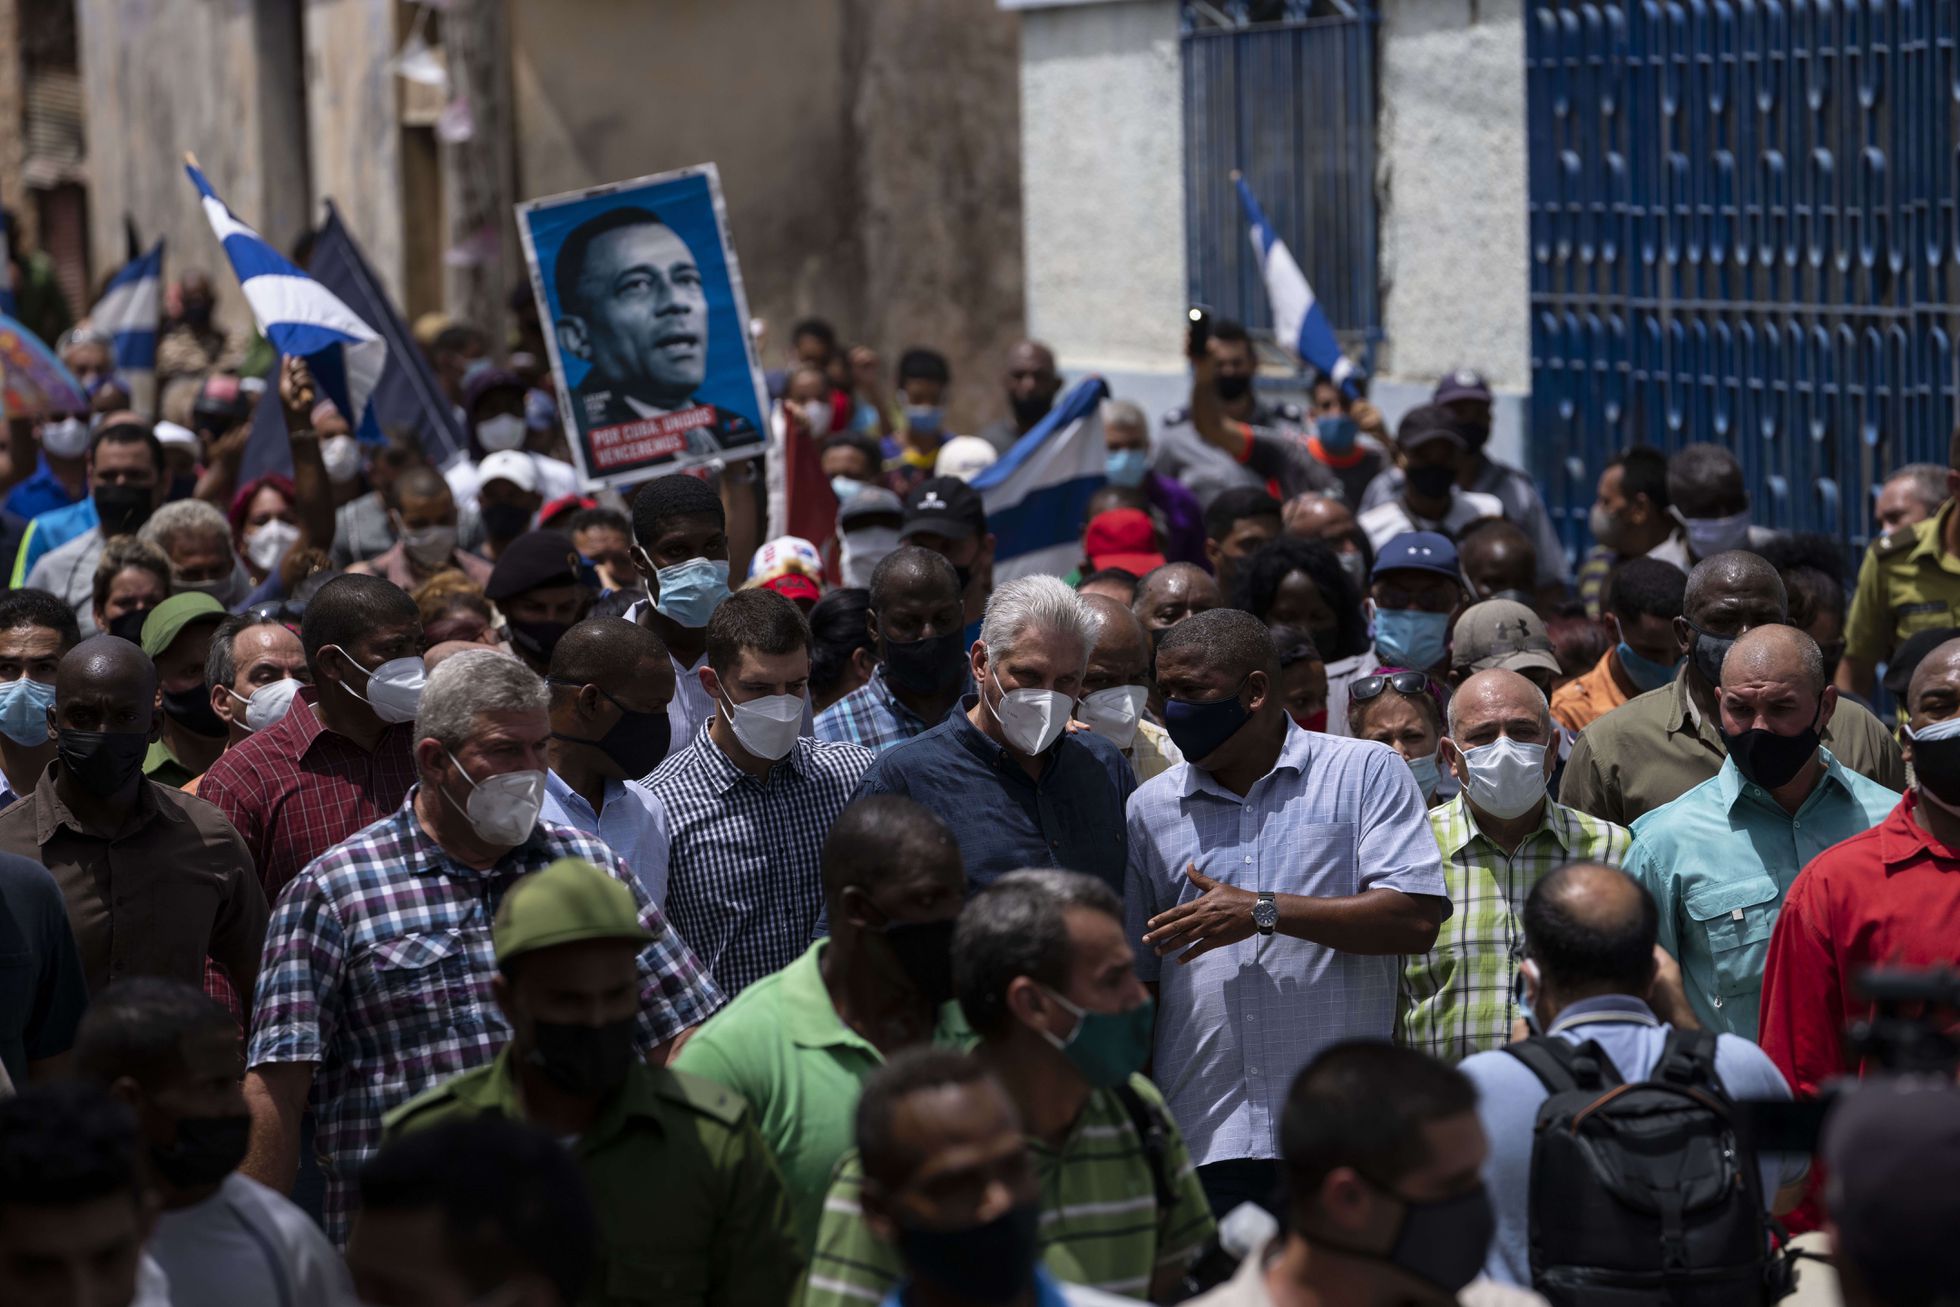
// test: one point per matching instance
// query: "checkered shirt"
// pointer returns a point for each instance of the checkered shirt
(377, 968)
(870, 715)
(1457, 999)
(744, 877)
(296, 789)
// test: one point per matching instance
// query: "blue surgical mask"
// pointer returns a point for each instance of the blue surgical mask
(1409, 637)
(24, 708)
(1645, 673)
(1425, 773)
(691, 591)
(1337, 434)
(845, 487)
(1128, 467)
(923, 419)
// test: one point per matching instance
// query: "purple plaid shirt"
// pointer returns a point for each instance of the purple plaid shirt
(377, 968)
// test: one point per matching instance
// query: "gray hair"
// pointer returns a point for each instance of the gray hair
(469, 684)
(1015, 927)
(221, 664)
(1125, 413)
(1034, 603)
(1928, 483)
(181, 519)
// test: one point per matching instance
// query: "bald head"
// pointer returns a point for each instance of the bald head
(1498, 696)
(1934, 693)
(604, 651)
(105, 684)
(1173, 592)
(1736, 581)
(1315, 517)
(1499, 557)
(1775, 653)
(1119, 647)
(1590, 929)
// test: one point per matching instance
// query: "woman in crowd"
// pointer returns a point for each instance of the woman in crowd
(1300, 583)
(264, 524)
(132, 578)
(1404, 710)
(842, 653)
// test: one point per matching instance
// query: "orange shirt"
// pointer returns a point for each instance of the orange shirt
(1589, 696)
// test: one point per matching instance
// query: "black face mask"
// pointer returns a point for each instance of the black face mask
(637, 741)
(504, 521)
(1231, 388)
(207, 1149)
(924, 950)
(537, 638)
(192, 710)
(1709, 652)
(102, 762)
(1936, 768)
(991, 1263)
(1769, 759)
(129, 626)
(932, 666)
(1031, 410)
(589, 1061)
(1442, 1243)
(122, 509)
(1432, 482)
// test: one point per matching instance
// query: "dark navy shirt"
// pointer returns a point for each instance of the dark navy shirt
(42, 992)
(1003, 821)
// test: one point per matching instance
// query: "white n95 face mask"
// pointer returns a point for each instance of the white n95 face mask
(268, 704)
(502, 809)
(1505, 777)
(342, 456)
(1114, 713)
(65, 437)
(766, 727)
(270, 542)
(505, 431)
(394, 689)
(1031, 719)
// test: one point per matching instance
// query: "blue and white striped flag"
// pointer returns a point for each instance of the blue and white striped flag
(1035, 495)
(127, 313)
(1298, 321)
(300, 316)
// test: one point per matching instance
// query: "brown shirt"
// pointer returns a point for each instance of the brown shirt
(1656, 747)
(153, 897)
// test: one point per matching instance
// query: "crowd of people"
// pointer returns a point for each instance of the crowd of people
(442, 885)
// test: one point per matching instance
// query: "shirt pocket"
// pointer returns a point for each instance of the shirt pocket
(1314, 858)
(1737, 919)
(423, 986)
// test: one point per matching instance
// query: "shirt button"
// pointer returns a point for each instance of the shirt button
(1248, 859)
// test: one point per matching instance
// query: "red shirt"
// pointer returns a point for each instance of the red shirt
(296, 789)
(1887, 897)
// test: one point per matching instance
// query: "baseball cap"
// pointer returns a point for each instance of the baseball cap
(1427, 423)
(1419, 551)
(944, 506)
(965, 457)
(1125, 538)
(569, 902)
(785, 554)
(1501, 633)
(1889, 1151)
(1906, 658)
(170, 433)
(868, 503)
(1461, 384)
(168, 619)
(532, 561)
(512, 465)
(481, 381)
(794, 586)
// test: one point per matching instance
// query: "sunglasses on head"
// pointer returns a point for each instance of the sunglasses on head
(1369, 687)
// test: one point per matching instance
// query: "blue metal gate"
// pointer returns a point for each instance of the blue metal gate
(1743, 225)
(1285, 91)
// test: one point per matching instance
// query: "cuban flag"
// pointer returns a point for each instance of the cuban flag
(1298, 321)
(1036, 494)
(300, 316)
(127, 312)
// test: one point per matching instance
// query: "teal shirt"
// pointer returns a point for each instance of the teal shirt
(1718, 861)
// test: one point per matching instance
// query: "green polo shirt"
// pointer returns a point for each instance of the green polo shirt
(781, 1045)
(690, 1205)
(162, 766)
(1101, 1225)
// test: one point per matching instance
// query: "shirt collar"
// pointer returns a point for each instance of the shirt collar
(1902, 840)
(50, 813)
(1605, 1005)
(555, 786)
(1734, 788)
(422, 856)
(1558, 819)
(1930, 535)
(722, 772)
(882, 690)
(809, 1017)
(1295, 755)
(498, 1092)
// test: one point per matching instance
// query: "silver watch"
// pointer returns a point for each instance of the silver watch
(1265, 913)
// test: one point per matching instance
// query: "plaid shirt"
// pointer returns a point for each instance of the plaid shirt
(1457, 999)
(377, 969)
(296, 789)
(870, 715)
(744, 880)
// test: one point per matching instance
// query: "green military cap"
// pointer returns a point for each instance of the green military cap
(168, 619)
(568, 902)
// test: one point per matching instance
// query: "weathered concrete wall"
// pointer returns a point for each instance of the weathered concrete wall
(1452, 136)
(353, 126)
(867, 149)
(211, 76)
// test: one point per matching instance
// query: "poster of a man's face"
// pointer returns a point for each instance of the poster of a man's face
(646, 310)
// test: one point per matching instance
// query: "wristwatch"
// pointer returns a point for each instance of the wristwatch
(1265, 914)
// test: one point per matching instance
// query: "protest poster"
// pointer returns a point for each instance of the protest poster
(646, 323)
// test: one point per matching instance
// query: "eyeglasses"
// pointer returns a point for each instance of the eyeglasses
(1370, 687)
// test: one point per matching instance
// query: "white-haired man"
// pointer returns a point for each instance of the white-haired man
(1015, 785)
(376, 974)
(196, 539)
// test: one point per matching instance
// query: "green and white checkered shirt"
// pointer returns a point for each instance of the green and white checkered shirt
(1457, 998)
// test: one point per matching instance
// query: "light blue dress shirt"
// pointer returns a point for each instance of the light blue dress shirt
(634, 823)
(1718, 861)
(1334, 817)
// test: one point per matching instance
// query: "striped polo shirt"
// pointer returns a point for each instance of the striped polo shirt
(1100, 1223)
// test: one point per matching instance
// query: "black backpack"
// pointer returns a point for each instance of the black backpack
(1641, 1194)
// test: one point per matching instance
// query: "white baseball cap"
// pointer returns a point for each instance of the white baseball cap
(512, 465)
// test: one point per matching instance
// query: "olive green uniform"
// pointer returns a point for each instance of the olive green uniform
(1908, 583)
(690, 1206)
